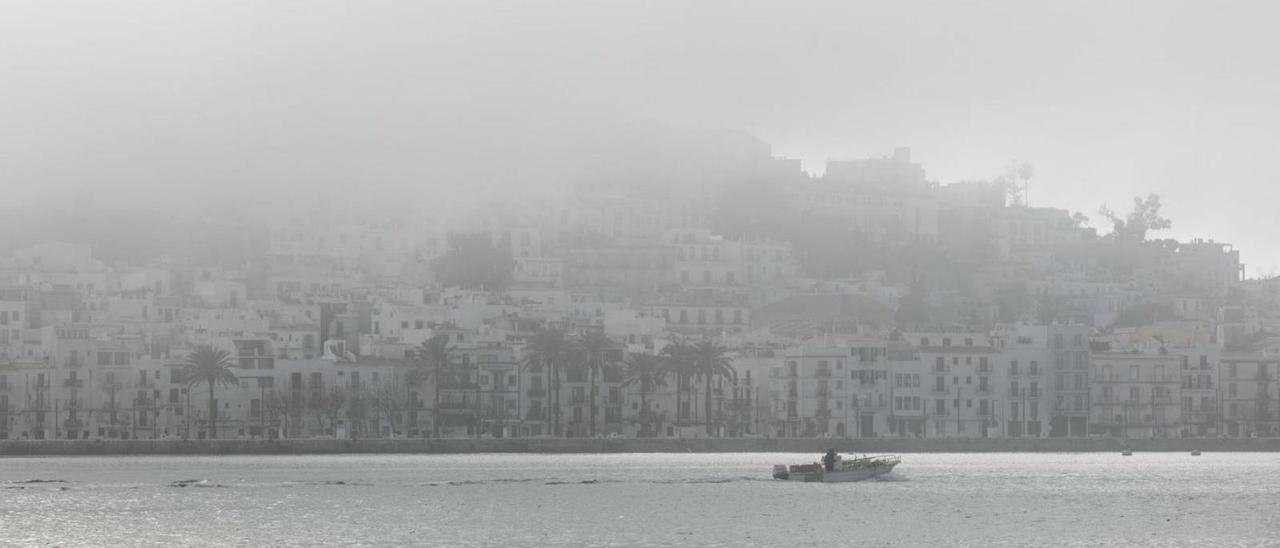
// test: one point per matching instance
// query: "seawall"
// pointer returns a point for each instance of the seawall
(664, 445)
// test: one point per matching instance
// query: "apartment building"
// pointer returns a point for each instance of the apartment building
(962, 384)
(1136, 395)
(1248, 387)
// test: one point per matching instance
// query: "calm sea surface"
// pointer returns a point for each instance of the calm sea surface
(638, 500)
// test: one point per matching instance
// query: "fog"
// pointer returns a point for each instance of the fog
(414, 104)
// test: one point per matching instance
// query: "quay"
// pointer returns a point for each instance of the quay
(624, 445)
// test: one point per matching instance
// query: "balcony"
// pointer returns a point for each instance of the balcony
(144, 402)
(536, 393)
(822, 394)
(73, 383)
(73, 423)
(454, 405)
(823, 372)
(578, 400)
(535, 415)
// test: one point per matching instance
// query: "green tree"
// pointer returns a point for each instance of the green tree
(913, 308)
(710, 361)
(1145, 217)
(646, 372)
(548, 349)
(831, 247)
(754, 209)
(1016, 180)
(433, 363)
(677, 361)
(212, 367)
(1143, 314)
(474, 262)
(594, 347)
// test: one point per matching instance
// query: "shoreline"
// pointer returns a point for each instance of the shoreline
(662, 445)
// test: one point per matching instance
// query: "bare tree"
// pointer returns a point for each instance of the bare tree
(327, 407)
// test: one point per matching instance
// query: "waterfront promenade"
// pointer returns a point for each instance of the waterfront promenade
(623, 445)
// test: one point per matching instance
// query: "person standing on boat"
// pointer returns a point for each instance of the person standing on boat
(829, 460)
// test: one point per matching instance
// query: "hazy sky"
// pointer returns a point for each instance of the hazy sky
(1106, 99)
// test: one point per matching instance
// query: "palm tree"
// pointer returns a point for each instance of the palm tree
(433, 357)
(709, 360)
(646, 371)
(677, 361)
(594, 347)
(549, 349)
(211, 366)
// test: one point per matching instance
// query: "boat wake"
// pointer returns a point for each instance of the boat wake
(205, 483)
(592, 481)
(197, 483)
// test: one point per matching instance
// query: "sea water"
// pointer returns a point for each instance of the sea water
(1156, 499)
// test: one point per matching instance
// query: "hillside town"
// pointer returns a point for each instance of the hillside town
(866, 302)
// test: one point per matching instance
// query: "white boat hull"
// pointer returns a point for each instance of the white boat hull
(846, 471)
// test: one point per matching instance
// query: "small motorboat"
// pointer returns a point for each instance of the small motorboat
(842, 470)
